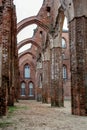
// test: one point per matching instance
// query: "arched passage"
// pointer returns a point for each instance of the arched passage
(26, 41)
(31, 20)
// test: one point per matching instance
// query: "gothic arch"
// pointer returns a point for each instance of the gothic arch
(31, 81)
(22, 88)
(31, 20)
(26, 41)
(26, 52)
(27, 61)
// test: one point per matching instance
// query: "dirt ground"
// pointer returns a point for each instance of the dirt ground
(32, 115)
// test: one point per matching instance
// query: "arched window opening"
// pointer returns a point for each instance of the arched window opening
(41, 34)
(64, 72)
(40, 83)
(63, 56)
(63, 43)
(22, 89)
(27, 71)
(31, 89)
(48, 9)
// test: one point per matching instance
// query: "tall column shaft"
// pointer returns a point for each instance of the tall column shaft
(46, 82)
(57, 98)
(78, 53)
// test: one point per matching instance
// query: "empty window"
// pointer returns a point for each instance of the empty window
(48, 9)
(41, 33)
(40, 85)
(64, 72)
(22, 89)
(63, 43)
(63, 56)
(31, 87)
(27, 71)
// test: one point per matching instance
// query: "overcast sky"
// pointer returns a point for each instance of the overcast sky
(24, 9)
(27, 8)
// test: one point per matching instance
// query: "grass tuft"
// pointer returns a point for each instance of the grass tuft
(11, 109)
(5, 124)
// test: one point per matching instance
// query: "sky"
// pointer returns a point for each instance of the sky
(27, 8)
(24, 9)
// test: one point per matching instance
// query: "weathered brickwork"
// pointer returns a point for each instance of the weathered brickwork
(56, 78)
(9, 63)
(46, 82)
(38, 89)
(22, 62)
(45, 57)
(78, 34)
(3, 101)
(66, 62)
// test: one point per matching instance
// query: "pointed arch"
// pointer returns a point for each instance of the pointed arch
(23, 87)
(31, 20)
(27, 71)
(27, 41)
(26, 52)
(31, 88)
(64, 71)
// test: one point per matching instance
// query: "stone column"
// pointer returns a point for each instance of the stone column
(57, 97)
(7, 53)
(3, 101)
(3, 58)
(38, 89)
(78, 53)
(46, 77)
(1, 14)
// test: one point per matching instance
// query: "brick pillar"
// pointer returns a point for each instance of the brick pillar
(78, 53)
(3, 101)
(4, 70)
(11, 96)
(57, 98)
(46, 82)
(7, 45)
(6, 54)
(38, 89)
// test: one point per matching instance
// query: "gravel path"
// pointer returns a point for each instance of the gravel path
(32, 115)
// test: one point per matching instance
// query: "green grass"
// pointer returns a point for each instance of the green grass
(5, 124)
(24, 108)
(11, 109)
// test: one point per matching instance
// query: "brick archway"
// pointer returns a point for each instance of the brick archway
(31, 20)
(26, 52)
(27, 41)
